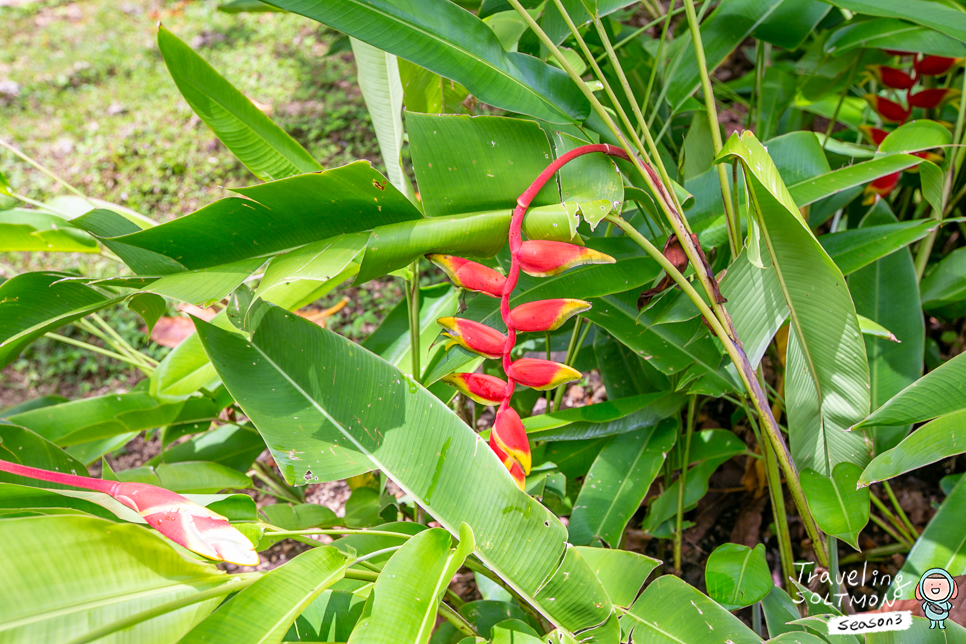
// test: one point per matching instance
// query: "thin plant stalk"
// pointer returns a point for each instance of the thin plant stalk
(412, 300)
(39, 205)
(901, 529)
(637, 32)
(46, 171)
(265, 474)
(749, 379)
(777, 497)
(335, 531)
(104, 352)
(657, 56)
(576, 340)
(888, 530)
(457, 620)
(734, 230)
(902, 515)
(682, 481)
(833, 568)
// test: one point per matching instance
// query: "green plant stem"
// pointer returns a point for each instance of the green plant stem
(891, 518)
(734, 232)
(457, 620)
(122, 344)
(888, 530)
(454, 599)
(902, 515)
(657, 56)
(838, 106)
(576, 340)
(682, 481)
(759, 400)
(104, 352)
(46, 171)
(412, 298)
(267, 476)
(38, 204)
(294, 533)
(866, 555)
(480, 569)
(122, 348)
(233, 585)
(361, 575)
(777, 497)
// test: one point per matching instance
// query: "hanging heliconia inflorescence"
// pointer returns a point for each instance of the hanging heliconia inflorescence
(508, 437)
(894, 112)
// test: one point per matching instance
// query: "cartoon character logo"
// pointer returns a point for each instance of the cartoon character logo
(935, 590)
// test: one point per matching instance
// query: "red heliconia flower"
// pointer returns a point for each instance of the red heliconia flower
(515, 470)
(888, 110)
(510, 436)
(545, 315)
(928, 156)
(188, 524)
(875, 135)
(484, 389)
(879, 188)
(470, 275)
(928, 99)
(549, 258)
(474, 337)
(934, 65)
(890, 76)
(541, 374)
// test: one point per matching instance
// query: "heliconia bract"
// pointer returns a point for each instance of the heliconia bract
(881, 187)
(875, 135)
(484, 389)
(511, 437)
(188, 524)
(474, 337)
(890, 76)
(514, 468)
(928, 99)
(470, 275)
(888, 110)
(545, 315)
(934, 65)
(541, 374)
(549, 258)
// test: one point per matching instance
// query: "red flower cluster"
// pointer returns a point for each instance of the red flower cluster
(508, 437)
(894, 112)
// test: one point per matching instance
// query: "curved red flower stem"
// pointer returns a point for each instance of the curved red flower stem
(98, 485)
(516, 224)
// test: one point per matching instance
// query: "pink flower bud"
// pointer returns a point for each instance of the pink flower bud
(470, 275)
(548, 258)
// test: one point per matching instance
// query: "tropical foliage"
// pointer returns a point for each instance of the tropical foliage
(559, 198)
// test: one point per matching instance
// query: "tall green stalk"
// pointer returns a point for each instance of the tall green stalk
(734, 227)
(413, 304)
(682, 481)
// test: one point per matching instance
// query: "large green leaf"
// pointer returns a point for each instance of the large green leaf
(944, 286)
(934, 441)
(888, 293)
(39, 452)
(87, 419)
(944, 19)
(941, 391)
(452, 42)
(891, 33)
(617, 482)
(36, 231)
(620, 571)
(345, 397)
(811, 190)
(852, 250)
(32, 304)
(406, 596)
(827, 382)
(941, 545)
(234, 446)
(839, 508)
(200, 477)
(738, 576)
(669, 610)
(262, 146)
(263, 612)
(69, 575)
(322, 260)
(610, 418)
(382, 90)
(278, 216)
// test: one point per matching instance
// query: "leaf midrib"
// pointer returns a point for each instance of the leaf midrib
(627, 478)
